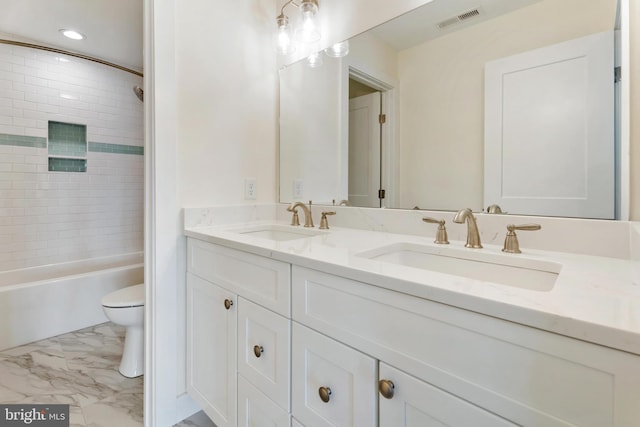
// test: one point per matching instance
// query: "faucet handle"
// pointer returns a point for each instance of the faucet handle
(324, 224)
(511, 244)
(495, 209)
(295, 219)
(441, 234)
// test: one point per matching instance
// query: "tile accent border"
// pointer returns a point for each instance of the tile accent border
(23, 141)
(103, 147)
(96, 147)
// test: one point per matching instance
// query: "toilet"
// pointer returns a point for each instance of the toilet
(126, 307)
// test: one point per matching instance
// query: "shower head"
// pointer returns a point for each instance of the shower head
(139, 92)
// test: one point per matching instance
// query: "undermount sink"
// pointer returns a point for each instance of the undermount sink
(278, 232)
(505, 269)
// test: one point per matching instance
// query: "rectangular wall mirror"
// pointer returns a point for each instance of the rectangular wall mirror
(462, 103)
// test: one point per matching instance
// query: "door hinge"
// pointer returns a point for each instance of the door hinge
(617, 74)
(382, 118)
(381, 194)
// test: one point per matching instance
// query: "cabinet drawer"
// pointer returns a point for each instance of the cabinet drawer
(264, 349)
(259, 279)
(525, 375)
(257, 410)
(415, 403)
(347, 378)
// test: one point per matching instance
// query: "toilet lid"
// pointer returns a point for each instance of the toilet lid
(130, 296)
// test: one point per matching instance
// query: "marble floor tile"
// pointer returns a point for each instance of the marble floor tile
(80, 369)
(199, 419)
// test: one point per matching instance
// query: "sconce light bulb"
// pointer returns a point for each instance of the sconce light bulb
(308, 31)
(314, 60)
(284, 44)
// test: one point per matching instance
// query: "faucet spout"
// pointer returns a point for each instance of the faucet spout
(308, 220)
(473, 236)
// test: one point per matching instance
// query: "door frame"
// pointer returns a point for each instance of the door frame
(388, 136)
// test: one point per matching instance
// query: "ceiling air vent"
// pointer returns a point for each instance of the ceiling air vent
(459, 18)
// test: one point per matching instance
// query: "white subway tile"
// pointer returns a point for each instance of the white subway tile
(15, 130)
(72, 215)
(12, 76)
(21, 121)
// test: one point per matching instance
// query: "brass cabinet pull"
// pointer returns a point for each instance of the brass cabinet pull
(228, 303)
(386, 388)
(325, 394)
(258, 350)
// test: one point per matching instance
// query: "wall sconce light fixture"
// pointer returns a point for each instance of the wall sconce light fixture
(338, 50)
(307, 31)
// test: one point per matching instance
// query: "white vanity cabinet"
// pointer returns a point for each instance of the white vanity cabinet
(476, 364)
(238, 336)
(280, 345)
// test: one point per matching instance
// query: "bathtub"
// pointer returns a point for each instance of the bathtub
(42, 302)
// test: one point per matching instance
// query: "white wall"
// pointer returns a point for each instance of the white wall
(226, 101)
(211, 73)
(52, 217)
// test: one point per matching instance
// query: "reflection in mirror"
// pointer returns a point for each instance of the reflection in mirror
(418, 84)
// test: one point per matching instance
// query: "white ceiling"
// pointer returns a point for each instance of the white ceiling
(421, 24)
(113, 28)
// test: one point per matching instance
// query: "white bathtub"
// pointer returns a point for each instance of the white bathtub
(42, 302)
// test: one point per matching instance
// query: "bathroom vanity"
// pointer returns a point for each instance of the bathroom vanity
(307, 327)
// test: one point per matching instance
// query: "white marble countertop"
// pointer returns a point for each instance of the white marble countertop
(594, 298)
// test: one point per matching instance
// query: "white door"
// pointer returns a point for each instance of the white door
(549, 130)
(406, 401)
(256, 410)
(211, 350)
(332, 385)
(364, 150)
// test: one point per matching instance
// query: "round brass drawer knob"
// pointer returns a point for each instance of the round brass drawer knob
(325, 394)
(258, 350)
(386, 388)
(228, 303)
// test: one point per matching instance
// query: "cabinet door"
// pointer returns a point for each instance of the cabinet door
(406, 401)
(257, 410)
(264, 351)
(333, 385)
(211, 350)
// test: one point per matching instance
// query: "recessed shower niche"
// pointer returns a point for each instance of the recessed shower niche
(67, 147)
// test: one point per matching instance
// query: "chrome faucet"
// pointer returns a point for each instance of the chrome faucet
(308, 220)
(473, 236)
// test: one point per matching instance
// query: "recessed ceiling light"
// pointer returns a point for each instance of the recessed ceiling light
(72, 34)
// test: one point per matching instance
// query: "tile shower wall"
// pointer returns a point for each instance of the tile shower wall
(58, 216)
